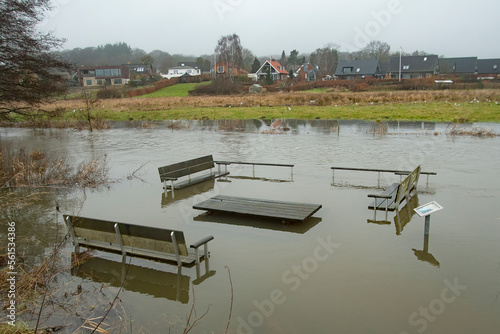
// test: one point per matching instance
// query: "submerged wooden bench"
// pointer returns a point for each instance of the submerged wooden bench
(188, 168)
(253, 164)
(394, 195)
(394, 171)
(135, 240)
(287, 211)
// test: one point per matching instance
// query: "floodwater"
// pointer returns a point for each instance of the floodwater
(340, 272)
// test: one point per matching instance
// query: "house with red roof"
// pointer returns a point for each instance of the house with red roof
(277, 71)
(226, 69)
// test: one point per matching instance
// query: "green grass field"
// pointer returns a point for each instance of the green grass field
(179, 90)
(434, 112)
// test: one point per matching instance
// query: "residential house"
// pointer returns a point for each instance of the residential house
(112, 75)
(103, 75)
(464, 66)
(225, 69)
(140, 70)
(488, 68)
(278, 72)
(307, 72)
(182, 69)
(358, 69)
(410, 67)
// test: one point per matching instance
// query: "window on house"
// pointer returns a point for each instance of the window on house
(346, 69)
(99, 82)
(220, 69)
(117, 81)
(89, 82)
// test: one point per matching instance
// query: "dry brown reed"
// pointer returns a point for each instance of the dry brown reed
(35, 169)
(281, 98)
(474, 132)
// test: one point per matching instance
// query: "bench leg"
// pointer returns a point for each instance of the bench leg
(176, 249)
(196, 255)
(120, 240)
(73, 235)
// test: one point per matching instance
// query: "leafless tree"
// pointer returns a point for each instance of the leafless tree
(29, 70)
(377, 50)
(326, 58)
(229, 50)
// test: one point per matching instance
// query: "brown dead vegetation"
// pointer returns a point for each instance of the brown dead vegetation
(329, 98)
(19, 168)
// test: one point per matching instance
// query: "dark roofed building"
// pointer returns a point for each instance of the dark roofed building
(358, 69)
(414, 66)
(463, 65)
(488, 68)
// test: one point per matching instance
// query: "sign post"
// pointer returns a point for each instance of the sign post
(425, 211)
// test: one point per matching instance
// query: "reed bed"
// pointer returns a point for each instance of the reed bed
(19, 168)
(473, 132)
(282, 99)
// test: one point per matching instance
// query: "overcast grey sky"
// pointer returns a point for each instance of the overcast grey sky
(267, 27)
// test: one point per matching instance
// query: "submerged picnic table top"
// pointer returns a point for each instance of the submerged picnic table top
(288, 211)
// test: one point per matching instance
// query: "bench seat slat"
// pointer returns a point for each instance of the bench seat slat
(136, 240)
(115, 248)
(196, 180)
(392, 191)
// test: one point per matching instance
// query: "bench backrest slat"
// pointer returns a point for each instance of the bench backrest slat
(186, 167)
(135, 236)
(409, 182)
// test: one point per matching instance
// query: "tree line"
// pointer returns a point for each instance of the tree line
(227, 47)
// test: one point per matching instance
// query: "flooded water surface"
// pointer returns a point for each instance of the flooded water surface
(341, 271)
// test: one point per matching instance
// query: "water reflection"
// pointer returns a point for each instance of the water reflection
(160, 284)
(260, 223)
(169, 197)
(424, 255)
(174, 286)
(402, 216)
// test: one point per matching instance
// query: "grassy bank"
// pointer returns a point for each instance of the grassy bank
(179, 90)
(438, 105)
(425, 111)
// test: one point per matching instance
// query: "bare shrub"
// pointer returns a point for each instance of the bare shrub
(24, 169)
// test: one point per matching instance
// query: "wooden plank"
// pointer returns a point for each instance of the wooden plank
(396, 171)
(100, 233)
(290, 211)
(196, 180)
(381, 203)
(253, 163)
(115, 248)
(187, 167)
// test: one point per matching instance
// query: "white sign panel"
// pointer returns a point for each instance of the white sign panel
(427, 209)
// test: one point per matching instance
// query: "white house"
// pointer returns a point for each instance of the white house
(181, 70)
